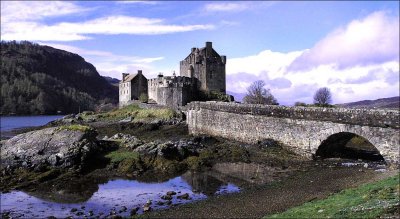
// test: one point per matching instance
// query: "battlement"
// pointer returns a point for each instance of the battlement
(170, 81)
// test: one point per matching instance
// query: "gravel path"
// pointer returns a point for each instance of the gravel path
(299, 188)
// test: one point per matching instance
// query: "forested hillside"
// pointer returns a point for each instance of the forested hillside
(39, 79)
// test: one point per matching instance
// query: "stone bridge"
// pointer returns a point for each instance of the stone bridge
(301, 129)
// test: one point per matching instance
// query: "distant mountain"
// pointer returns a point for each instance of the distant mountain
(39, 79)
(112, 81)
(391, 102)
(238, 96)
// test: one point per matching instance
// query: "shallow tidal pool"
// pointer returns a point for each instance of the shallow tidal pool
(117, 196)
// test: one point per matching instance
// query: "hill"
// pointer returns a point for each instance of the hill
(391, 102)
(238, 96)
(39, 79)
(112, 81)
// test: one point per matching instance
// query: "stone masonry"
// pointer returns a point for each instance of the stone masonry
(301, 129)
(201, 72)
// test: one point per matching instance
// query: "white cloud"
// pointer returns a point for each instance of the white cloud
(355, 67)
(226, 6)
(36, 10)
(28, 25)
(373, 39)
(236, 6)
(149, 2)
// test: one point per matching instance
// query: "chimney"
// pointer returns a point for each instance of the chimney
(124, 76)
(193, 49)
(209, 45)
(139, 72)
(223, 59)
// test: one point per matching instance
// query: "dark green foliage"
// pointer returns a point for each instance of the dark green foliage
(39, 79)
(300, 104)
(215, 96)
(143, 98)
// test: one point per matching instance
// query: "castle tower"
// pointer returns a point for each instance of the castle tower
(207, 66)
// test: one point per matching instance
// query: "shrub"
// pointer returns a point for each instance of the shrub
(300, 104)
(143, 98)
(120, 155)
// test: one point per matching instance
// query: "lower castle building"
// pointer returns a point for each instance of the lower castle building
(202, 71)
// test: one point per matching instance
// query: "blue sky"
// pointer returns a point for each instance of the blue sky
(295, 47)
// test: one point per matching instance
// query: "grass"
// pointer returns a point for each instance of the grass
(370, 200)
(120, 155)
(75, 127)
(138, 113)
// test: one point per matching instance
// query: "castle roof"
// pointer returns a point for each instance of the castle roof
(130, 77)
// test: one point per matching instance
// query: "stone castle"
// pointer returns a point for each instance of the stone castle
(202, 71)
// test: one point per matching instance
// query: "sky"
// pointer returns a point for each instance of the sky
(351, 47)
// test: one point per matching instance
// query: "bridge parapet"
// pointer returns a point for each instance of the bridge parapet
(365, 117)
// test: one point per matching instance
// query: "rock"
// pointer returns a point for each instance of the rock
(123, 208)
(127, 140)
(160, 203)
(79, 213)
(146, 208)
(127, 119)
(171, 193)
(178, 150)
(169, 202)
(148, 202)
(269, 143)
(184, 196)
(74, 210)
(90, 213)
(166, 197)
(114, 217)
(55, 147)
(134, 211)
(112, 212)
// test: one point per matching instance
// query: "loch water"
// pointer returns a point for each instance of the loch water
(10, 123)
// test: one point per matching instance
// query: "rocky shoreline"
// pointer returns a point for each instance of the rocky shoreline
(83, 149)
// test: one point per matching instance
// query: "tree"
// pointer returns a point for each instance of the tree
(257, 94)
(323, 97)
(298, 103)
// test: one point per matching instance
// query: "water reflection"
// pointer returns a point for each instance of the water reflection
(115, 196)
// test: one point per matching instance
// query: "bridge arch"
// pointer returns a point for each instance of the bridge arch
(372, 135)
(348, 145)
(301, 129)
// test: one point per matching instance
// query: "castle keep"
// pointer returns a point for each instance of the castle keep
(206, 65)
(203, 70)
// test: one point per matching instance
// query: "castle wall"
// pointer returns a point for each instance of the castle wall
(171, 91)
(152, 88)
(215, 77)
(207, 66)
(124, 93)
(138, 86)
